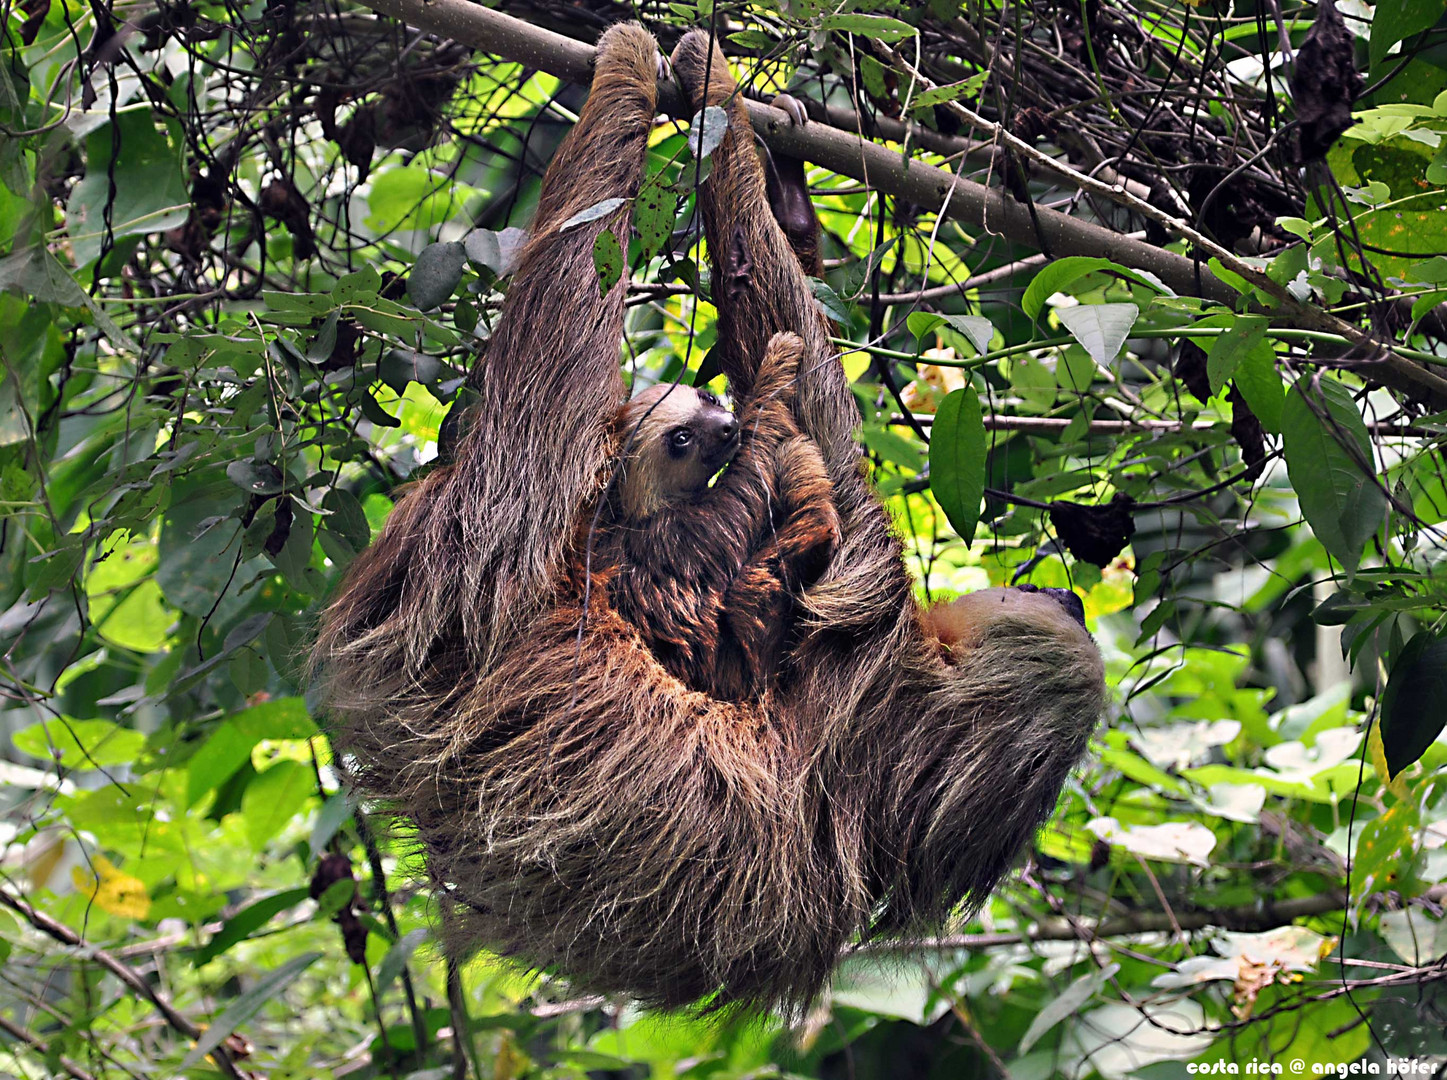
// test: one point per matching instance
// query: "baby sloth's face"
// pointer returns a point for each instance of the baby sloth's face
(676, 438)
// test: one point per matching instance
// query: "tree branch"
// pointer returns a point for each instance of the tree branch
(973, 205)
(66, 936)
(1248, 918)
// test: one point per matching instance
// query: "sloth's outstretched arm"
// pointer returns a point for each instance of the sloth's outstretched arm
(469, 555)
(758, 286)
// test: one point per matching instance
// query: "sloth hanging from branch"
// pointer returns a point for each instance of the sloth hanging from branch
(681, 741)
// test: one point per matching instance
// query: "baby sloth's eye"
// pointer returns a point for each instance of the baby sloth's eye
(681, 439)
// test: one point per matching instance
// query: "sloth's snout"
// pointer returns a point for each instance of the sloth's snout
(1066, 598)
(721, 432)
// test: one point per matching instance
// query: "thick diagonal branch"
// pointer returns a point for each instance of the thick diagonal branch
(973, 205)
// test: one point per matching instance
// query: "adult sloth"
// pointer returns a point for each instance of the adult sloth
(583, 810)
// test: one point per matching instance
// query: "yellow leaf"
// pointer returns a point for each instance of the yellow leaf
(111, 890)
(1397, 787)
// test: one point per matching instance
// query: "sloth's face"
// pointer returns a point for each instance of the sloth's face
(676, 439)
(964, 622)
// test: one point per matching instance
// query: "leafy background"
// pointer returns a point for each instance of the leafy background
(250, 251)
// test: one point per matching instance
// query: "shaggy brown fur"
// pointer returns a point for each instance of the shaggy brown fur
(710, 576)
(582, 809)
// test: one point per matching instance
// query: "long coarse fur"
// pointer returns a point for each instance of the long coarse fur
(711, 578)
(581, 808)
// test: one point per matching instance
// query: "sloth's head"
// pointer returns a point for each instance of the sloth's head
(963, 623)
(675, 438)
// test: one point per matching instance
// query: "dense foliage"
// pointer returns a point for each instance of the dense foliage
(1190, 365)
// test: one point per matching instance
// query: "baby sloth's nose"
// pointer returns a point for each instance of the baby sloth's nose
(722, 432)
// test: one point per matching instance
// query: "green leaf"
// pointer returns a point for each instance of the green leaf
(436, 273)
(706, 131)
(872, 74)
(921, 323)
(1400, 19)
(199, 543)
(1068, 1003)
(398, 367)
(320, 348)
(373, 411)
(334, 814)
(1241, 337)
(1414, 705)
(653, 214)
(880, 27)
(1062, 273)
(892, 447)
(143, 188)
(346, 518)
(592, 213)
(279, 718)
(396, 958)
(359, 287)
(498, 251)
(607, 260)
(752, 39)
(957, 460)
(953, 92)
(256, 477)
(1339, 498)
(245, 922)
(978, 329)
(273, 798)
(1260, 384)
(220, 756)
(80, 744)
(36, 273)
(247, 1005)
(829, 302)
(1101, 328)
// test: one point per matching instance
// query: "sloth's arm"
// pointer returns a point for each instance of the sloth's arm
(473, 550)
(759, 287)
(550, 385)
(758, 611)
(745, 501)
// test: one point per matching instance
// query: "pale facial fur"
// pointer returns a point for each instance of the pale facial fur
(675, 438)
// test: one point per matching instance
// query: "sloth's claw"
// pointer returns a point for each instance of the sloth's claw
(793, 107)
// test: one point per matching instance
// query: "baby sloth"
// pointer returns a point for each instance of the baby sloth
(710, 576)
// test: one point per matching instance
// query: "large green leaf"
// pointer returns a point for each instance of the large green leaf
(1101, 328)
(1244, 336)
(875, 26)
(957, 460)
(1329, 460)
(1414, 705)
(272, 799)
(1396, 20)
(248, 920)
(81, 744)
(436, 273)
(141, 189)
(1059, 275)
(1260, 384)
